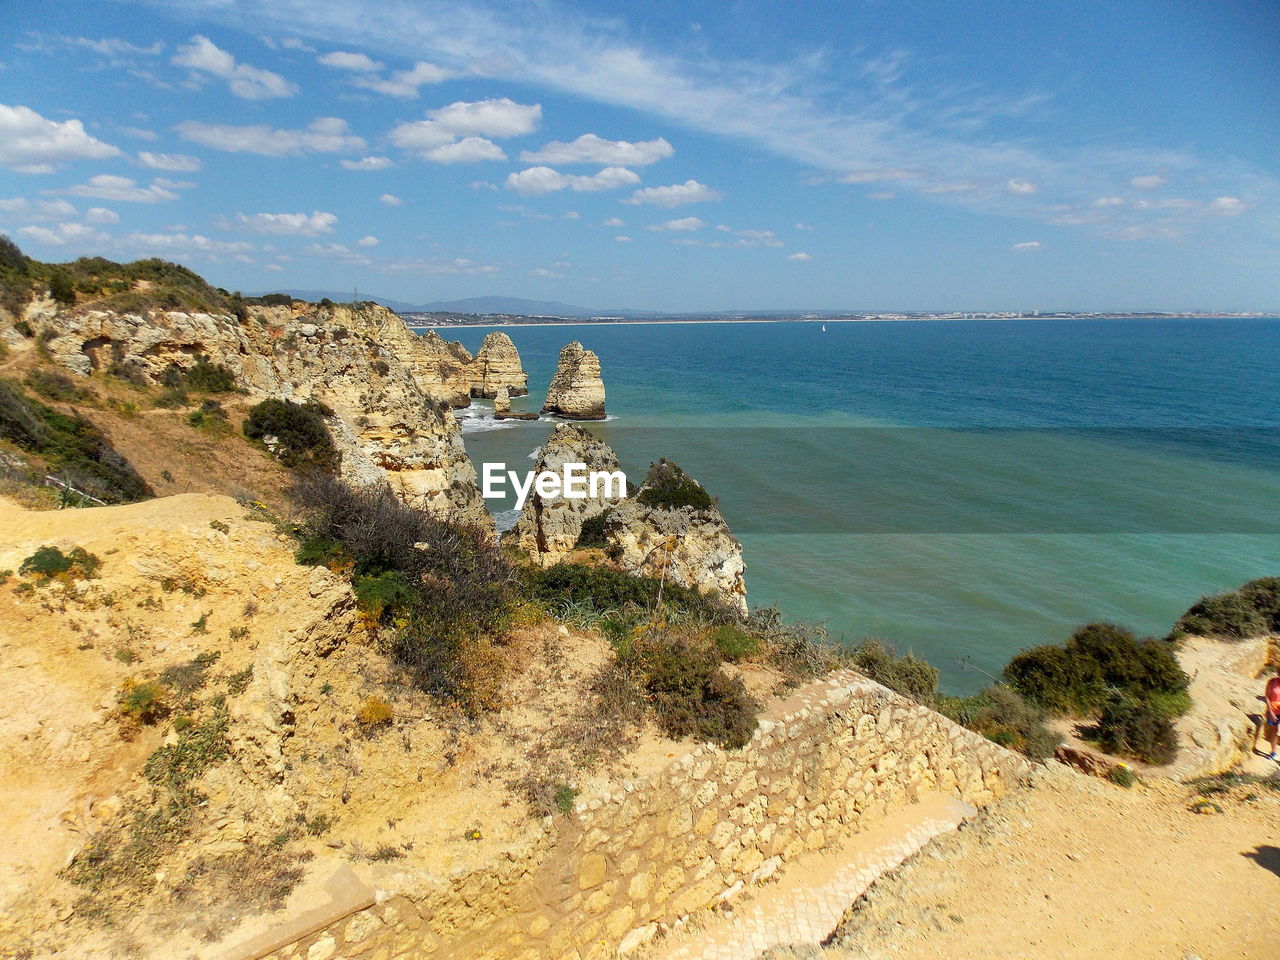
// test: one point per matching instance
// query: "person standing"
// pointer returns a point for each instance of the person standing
(1270, 716)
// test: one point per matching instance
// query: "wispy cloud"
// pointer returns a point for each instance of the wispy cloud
(107, 186)
(1027, 247)
(322, 135)
(368, 163)
(345, 60)
(541, 180)
(675, 195)
(589, 148)
(173, 162)
(405, 84)
(288, 224)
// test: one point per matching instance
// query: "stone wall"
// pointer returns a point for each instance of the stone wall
(828, 762)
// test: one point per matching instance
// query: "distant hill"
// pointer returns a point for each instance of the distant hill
(519, 306)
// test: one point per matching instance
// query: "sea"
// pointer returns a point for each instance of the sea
(962, 489)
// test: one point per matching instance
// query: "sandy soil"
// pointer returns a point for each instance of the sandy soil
(1079, 868)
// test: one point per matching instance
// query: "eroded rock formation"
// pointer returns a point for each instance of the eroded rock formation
(441, 366)
(576, 392)
(672, 529)
(497, 366)
(359, 360)
(549, 527)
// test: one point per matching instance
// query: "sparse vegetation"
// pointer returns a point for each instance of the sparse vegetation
(71, 446)
(145, 701)
(50, 563)
(1129, 727)
(374, 712)
(592, 534)
(907, 675)
(1003, 717)
(667, 487)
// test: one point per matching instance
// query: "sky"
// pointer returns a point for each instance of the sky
(699, 155)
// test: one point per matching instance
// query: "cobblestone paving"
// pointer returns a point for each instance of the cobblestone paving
(805, 906)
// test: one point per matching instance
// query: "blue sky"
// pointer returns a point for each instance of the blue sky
(660, 155)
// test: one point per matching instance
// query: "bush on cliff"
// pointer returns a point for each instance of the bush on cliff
(1003, 717)
(302, 440)
(1251, 611)
(71, 446)
(460, 590)
(1078, 676)
(667, 487)
(605, 590)
(1129, 727)
(907, 675)
(688, 692)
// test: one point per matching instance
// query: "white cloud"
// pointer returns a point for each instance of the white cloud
(802, 226)
(296, 43)
(367, 242)
(63, 233)
(1022, 187)
(590, 148)
(676, 195)
(185, 243)
(322, 135)
(289, 224)
(274, 267)
(951, 186)
(881, 195)
(614, 222)
(571, 215)
(801, 256)
(368, 163)
(31, 144)
(622, 239)
(1103, 202)
(176, 162)
(337, 251)
(106, 186)
(113, 47)
(248, 83)
(1227, 205)
(391, 200)
(139, 133)
(344, 60)
(405, 83)
(684, 224)
(500, 117)
(1027, 247)
(39, 211)
(467, 150)
(876, 176)
(1149, 182)
(542, 180)
(101, 215)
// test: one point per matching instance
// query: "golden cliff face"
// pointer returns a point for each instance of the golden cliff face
(576, 391)
(497, 366)
(391, 421)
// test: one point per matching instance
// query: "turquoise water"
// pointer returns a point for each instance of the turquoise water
(963, 488)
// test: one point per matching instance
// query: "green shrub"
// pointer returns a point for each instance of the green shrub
(688, 692)
(564, 797)
(1098, 659)
(320, 552)
(592, 534)
(1121, 776)
(375, 712)
(209, 417)
(1000, 715)
(1129, 727)
(24, 328)
(1251, 611)
(49, 562)
(733, 643)
(197, 748)
(385, 591)
(144, 701)
(799, 649)
(667, 487)
(206, 377)
(61, 287)
(301, 438)
(907, 675)
(605, 589)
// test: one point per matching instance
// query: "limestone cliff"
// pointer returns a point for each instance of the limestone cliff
(359, 360)
(549, 527)
(441, 367)
(673, 529)
(576, 391)
(496, 366)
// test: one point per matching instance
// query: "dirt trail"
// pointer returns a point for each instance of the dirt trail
(1079, 868)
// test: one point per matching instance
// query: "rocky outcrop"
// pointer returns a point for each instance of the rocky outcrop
(356, 359)
(502, 401)
(576, 392)
(497, 366)
(442, 367)
(673, 530)
(549, 527)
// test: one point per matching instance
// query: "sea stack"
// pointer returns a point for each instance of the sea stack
(497, 365)
(502, 400)
(672, 530)
(576, 392)
(549, 527)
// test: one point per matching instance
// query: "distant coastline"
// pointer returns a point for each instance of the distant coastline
(424, 321)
